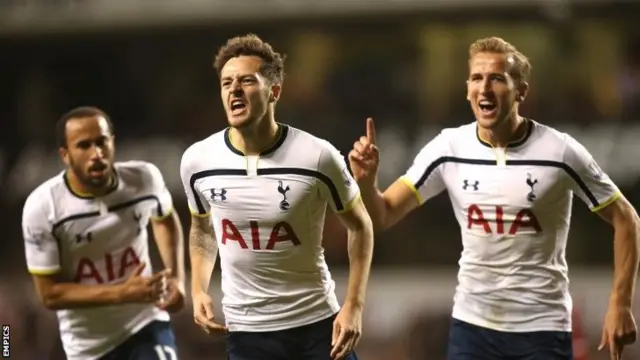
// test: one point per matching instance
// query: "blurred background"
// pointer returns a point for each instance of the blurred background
(148, 64)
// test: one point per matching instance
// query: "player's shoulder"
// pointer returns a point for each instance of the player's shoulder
(460, 133)
(317, 151)
(212, 144)
(42, 199)
(137, 171)
(303, 139)
(549, 134)
(450, 140)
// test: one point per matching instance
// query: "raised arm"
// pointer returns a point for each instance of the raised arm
(421, 182)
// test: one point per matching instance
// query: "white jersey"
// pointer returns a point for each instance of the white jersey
(96, 241)
(268, 216)
(514, 207)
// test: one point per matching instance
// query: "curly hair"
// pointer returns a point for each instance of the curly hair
(251, 45)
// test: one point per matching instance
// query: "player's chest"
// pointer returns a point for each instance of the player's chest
(100, 228)
(254, 196)
(523, 186)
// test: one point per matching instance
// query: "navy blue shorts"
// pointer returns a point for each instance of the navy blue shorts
(309, 342)
(471, 342)
(153, 342)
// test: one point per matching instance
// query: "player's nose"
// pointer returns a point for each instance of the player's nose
(97, 153)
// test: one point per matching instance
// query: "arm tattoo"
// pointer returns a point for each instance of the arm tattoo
(201, 239)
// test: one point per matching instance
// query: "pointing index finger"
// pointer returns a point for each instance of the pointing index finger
(371, 131)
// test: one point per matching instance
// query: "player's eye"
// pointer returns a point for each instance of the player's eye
(498, 78)
(248, 81)
(83, 144)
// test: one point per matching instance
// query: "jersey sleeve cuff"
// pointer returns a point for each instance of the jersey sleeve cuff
(608, 202)
(413, 189)
(197, 214)
(44, 271)
(349, 206)
(165, 215)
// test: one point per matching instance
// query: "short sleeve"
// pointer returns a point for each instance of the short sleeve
(198, 205)
(41, 247)
(424, 177)
(587, 180)
(338, 186)
(161, 192)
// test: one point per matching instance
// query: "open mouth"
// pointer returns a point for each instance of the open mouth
(487, 107)
(237, 107)
(97, 170)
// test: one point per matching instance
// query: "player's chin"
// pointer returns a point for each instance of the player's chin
(239, 121)
(97, 181)
(487, 121)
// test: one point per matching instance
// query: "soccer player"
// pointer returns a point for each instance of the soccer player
(511, 181)
(258, 192)
(85, 233)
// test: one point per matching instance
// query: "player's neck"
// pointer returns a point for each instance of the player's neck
(253, 140)
(77, 187)
(508, 132)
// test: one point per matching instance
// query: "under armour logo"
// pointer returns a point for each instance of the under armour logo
(531, 183)
(219, 196)
(284, 204)
(88, 237)
(467, 184)
(347, 177)
(136, 218)
(34, 238)
(597, 173)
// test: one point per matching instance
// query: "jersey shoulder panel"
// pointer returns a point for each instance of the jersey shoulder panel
(206, 153)
(304, 149)
(42, 200)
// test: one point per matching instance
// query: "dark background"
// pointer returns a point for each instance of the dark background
(403, 63)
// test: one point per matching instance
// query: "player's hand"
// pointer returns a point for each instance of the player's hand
(347, 330)
(365, 156)
(173, 296)
(619, 330)
(203, 314)
(144, 289)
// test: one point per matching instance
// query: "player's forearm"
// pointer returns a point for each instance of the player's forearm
(74, 296)
(360, 255)
(626, 259)
(203, 251)
(170, 241)
(376, 205)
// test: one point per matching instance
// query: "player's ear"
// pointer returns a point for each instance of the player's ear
(276, 89)
(523, 89)
(468, 92)
(64, 155)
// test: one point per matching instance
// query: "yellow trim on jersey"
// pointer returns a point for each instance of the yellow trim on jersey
(610, 201)
(164, 216)
(43, 272)
(413, 189)
(197, 214)
(349, 206)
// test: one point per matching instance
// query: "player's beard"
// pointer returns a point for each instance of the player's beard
(92, 182)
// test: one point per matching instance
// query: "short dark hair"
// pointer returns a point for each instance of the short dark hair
(252, 45)
(76, 113)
